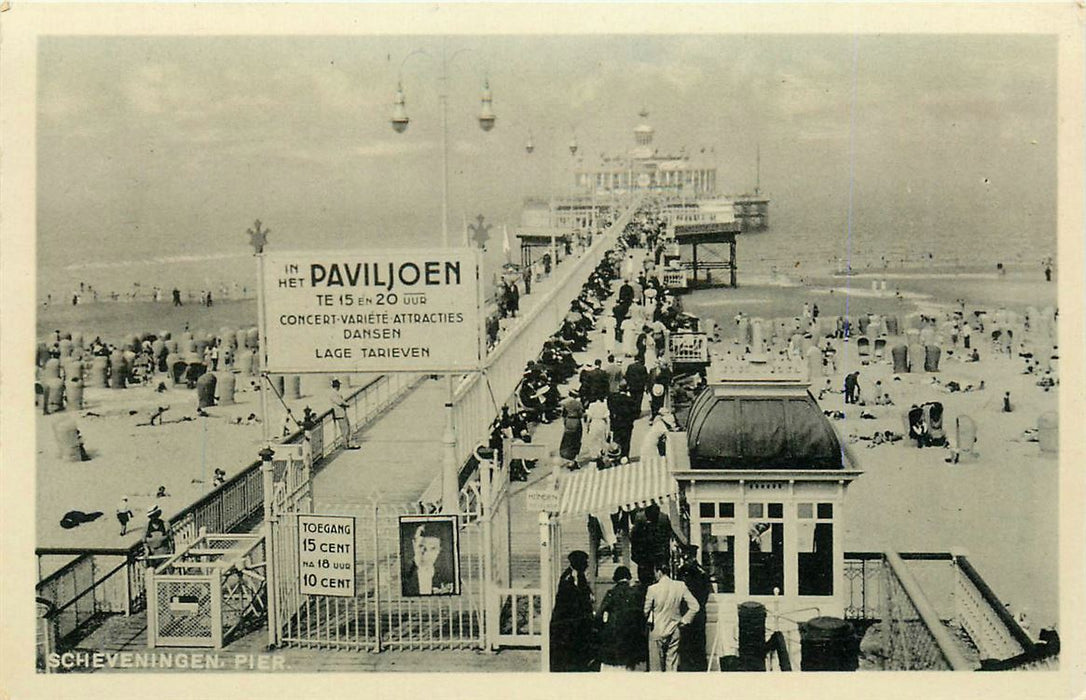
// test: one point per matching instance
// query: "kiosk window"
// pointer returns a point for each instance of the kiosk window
(814, 540)
(766, 557)
(718, 554)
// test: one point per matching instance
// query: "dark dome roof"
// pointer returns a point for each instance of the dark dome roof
(779, 429)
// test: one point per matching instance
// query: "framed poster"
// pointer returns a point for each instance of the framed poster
(429, 555)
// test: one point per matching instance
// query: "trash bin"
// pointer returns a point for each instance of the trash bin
(828, 644)
(751, 636)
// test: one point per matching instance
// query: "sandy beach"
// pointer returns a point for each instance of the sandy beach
(1002, 507)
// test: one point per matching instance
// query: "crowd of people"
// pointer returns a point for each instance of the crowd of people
(654, 624)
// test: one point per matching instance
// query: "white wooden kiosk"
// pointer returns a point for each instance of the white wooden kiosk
(765, 478)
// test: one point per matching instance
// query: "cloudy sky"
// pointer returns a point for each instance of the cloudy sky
(159, 146)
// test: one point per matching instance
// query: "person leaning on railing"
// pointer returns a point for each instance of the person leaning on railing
(157, 541)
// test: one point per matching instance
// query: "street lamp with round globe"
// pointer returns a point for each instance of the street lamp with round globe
(399, 112)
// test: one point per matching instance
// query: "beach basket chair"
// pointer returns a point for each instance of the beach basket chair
(965, 439)
(931, 358)
(900, 354)
(863, 346)
(880, 349)
(916, 358)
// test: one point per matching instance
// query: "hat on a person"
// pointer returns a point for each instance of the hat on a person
(154, 511)
(578, 559)
(614, 450)
(621, 574)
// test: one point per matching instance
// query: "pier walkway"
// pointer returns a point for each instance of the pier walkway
(400, 463)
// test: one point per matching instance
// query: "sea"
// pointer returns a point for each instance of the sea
(811, 237)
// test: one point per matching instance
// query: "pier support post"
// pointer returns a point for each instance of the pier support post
(450, 474)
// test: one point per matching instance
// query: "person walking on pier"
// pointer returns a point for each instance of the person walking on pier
(624, 413)
(572, 416)
(339, 415)
(572, 625)
(663, 608)
(622, 636)
(637, 378)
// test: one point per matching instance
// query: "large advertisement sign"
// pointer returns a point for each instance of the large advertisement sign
(372, 311)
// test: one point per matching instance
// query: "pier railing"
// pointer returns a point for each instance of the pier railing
(479, 397)
(110, 580)
(936, 612)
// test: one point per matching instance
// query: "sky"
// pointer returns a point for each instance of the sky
(170, 147)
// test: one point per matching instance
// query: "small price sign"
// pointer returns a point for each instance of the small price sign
(326, 555)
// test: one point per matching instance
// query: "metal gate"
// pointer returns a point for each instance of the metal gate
(378, 616)
(493, 609)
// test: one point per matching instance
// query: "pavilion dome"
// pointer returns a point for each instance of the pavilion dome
(768, 430)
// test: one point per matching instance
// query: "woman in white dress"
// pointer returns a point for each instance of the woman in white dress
(630, 329)
(606, 324)
(598, 418)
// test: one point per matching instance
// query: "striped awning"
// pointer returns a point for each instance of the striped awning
(628, 486)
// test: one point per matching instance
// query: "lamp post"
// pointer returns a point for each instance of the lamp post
(450, 472)
(400, 121)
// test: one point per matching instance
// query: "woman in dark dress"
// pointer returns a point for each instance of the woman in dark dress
(572, 430)
(572, 628)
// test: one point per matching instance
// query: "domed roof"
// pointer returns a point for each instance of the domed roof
(748, 429)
